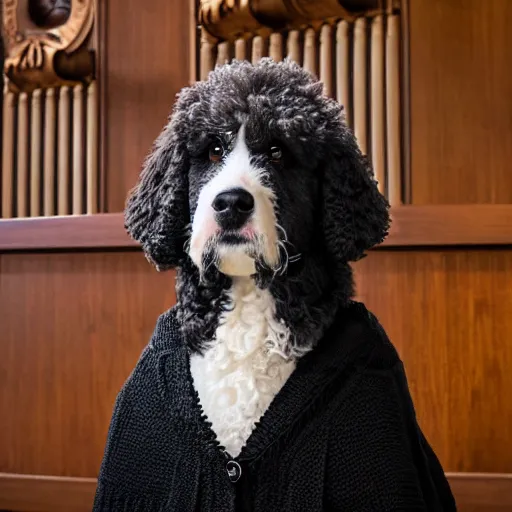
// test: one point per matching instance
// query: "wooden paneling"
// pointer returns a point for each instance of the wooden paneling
(147, 59)
(72, 328)
(32, 493)
(449, 314)
(105, 230)
(482, 492)
(432, 225)
(461, 116)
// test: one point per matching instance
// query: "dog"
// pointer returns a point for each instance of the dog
(257, 192)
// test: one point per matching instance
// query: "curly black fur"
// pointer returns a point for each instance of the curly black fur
(327, 199)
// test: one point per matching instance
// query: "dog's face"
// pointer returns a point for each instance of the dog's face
(255, 168)
(251, 198)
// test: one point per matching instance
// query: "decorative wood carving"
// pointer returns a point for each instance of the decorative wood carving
(231, 19)
(45, 43)
(226, 19)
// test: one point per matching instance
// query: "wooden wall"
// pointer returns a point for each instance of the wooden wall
(74, 325)
(148, 61)
(459, 81)
(73, 321)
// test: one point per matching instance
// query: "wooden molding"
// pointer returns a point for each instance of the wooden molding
(33, 493)
(227, 20)
(67, 232)
(475, 492)
(412, 226)
(482, 492)
(45, 48)
(449, 225)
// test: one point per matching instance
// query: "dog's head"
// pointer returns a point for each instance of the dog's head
(255, 168)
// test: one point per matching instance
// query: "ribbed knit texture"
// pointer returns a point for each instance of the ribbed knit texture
(341, 435)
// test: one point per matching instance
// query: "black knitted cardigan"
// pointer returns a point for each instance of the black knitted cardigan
(341, 435)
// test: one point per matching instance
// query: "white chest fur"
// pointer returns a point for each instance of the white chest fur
(244, 367)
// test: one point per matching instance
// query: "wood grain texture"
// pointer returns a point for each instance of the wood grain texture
(393, 112)
(343, 69)
(448, 313)
(460, 75)
(92, 182)
(8, 117)
(104, 230)
(405, 88)
(49, 138)
(482, 492)
(101, 26)
(78, 151)
(474, 492)
(63, 151)
(33, 493)
(436, 225)
(23, 164)
(73, 327)
(360, 83)
(145, 70)
(36, 152)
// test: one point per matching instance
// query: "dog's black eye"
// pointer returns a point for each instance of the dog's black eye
(216, 152)
(276, 153)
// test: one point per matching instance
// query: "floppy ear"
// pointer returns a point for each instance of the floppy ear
(356, 214)
(157, 211)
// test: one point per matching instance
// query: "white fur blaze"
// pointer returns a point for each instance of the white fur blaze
(245, 367)
(237, 172)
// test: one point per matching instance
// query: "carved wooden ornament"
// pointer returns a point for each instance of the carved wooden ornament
(44, 43)
(231, 19)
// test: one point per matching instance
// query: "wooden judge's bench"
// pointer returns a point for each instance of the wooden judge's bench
(427, 86)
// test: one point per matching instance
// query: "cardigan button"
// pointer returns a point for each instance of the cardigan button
(234, 471)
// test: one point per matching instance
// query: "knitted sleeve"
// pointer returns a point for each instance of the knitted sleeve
(371, 466)
(118, 467)
(136, 461)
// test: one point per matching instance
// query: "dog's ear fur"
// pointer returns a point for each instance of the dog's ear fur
(157, 210)
(356, 214)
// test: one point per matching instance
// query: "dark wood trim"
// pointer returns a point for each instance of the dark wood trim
(450, 225)
(102, 69)
(412, 226)
(406, 105)
(32, 493)
(485, 492)
(195, 41)
(104, 230)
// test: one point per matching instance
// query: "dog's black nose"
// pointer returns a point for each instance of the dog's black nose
(233, 208)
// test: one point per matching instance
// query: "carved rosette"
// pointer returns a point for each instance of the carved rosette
(47, 51)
